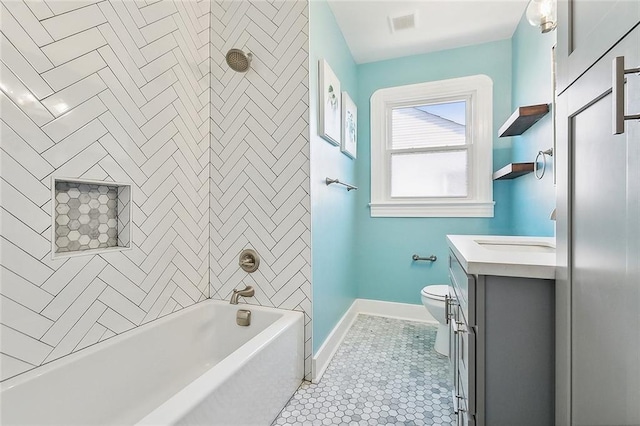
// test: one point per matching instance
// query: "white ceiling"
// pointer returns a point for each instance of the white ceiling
(441, 24)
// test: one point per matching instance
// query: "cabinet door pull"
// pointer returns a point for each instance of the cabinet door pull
(446, 308)
(458, 326)
(617, 92)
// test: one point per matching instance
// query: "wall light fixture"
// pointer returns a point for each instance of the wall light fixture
(542, 13)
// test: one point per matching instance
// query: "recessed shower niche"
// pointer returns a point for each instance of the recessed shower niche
(90, 217)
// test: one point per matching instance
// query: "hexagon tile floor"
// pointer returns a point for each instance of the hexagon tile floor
(384, 373)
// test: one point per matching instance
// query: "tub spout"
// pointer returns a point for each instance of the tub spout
(248, 291)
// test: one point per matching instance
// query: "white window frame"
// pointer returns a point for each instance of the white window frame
(477, 90)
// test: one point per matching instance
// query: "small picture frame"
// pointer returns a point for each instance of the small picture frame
(329, 104)
(349, 143)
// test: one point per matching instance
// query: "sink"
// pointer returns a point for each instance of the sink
(523, 246)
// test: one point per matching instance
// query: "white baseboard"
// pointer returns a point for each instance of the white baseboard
(404, 311)
(328, 349)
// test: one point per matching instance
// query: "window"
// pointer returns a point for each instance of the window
(431, 150)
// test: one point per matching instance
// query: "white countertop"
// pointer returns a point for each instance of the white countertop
(502, 256)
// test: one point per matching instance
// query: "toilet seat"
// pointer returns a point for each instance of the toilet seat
(437, 292)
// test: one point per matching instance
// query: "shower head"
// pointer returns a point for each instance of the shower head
(238, 60)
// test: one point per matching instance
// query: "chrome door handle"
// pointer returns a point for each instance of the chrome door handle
(617, 91)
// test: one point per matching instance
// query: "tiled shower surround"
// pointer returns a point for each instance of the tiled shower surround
(260, 154)
(138, 92)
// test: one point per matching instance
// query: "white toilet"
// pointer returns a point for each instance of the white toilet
(433, 298)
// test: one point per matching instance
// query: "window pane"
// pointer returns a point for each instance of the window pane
(431, 174)
(429, 125)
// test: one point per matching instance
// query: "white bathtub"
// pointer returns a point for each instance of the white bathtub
(193, 367)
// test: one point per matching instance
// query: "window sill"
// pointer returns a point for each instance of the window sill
(439, 209)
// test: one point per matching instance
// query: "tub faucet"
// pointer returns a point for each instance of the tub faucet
(248, 291)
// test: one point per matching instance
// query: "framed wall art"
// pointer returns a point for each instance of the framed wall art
(329, 103)
(349, 143)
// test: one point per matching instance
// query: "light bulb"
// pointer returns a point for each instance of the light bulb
(542, 13)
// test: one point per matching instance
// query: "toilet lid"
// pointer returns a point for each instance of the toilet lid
(435, 291)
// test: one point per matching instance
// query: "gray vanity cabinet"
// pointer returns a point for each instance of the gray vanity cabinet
(501, 348)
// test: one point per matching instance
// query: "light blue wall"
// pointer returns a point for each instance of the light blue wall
(533, 199)
(355, 255)
(385, 245)
(332, 207)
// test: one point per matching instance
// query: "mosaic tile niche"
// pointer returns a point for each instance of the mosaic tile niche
(91, 216)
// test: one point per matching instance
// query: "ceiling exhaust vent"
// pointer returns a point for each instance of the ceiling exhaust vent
(402, 22)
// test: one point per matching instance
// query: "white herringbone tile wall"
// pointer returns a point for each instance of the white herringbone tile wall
(260, 154)
(118, 91)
